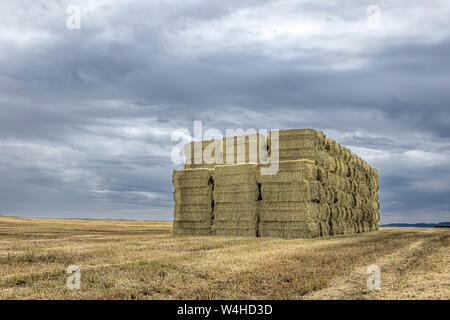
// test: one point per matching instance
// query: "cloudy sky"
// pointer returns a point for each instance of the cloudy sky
(86, 115)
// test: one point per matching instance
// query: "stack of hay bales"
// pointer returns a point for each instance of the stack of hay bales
(350, 183)
(235, 195)
(320, 189)
(193, 198)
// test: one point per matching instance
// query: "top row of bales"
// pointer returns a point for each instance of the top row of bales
(311, 144)
(228, 150)
(293, 144)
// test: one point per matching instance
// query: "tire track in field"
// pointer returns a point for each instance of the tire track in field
(394, 270)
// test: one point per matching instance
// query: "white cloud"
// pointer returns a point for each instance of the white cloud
(293, 29)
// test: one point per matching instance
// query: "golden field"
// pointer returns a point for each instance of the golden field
(124, 259)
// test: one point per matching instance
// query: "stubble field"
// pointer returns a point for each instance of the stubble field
(124, 259)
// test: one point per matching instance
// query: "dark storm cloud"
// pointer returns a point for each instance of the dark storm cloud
(86, 115)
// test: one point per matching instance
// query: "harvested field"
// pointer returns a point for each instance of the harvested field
(144, 260)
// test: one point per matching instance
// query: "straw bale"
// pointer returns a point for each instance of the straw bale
(321, 158)
(373, 183)
(343, 198)
(360, 202)
(324, 228)
(285, 196)
(235, 174)
(358, 213)
(239, 187)
(365, 226)
(351, 186)
(195, 190)
(235, 196)
(333, 180)
(232, 179)
(364, 190)
(300, 139)
(327, 194)
(186, 224)
(242, 211)
(316, 192)
(181, 197)
(291, 191)
(374, 195)
(337, 212)
(346, 154)
(353, 227)
(210, 146)
(342, 167)
(192, 212)
(292, 211)
(337, 227)
(223, 170)
(241, 143)
(191, 178)
(291, 171)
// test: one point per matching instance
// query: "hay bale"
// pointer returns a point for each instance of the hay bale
(228, 150)
(291, 171)
(292, 211)
(343, 198)
(238, 187)
(235, 196)
(236, 192)
(299, 139)
(333, 180)
(235, 174)
(181, 197)
(193, 212)
(242, 211)
(289, 191)
(327, 194)
(324, 228)
(191, 178)
(193, 195)
(214, 148)
(320, 158)
(360, 202)
(186, 194)
(338, 227)
(196, 189)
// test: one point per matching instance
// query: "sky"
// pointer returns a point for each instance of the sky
(87, 114)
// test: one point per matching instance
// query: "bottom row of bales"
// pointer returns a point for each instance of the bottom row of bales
(236, 200)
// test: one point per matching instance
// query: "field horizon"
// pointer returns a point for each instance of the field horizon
(142, 259)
